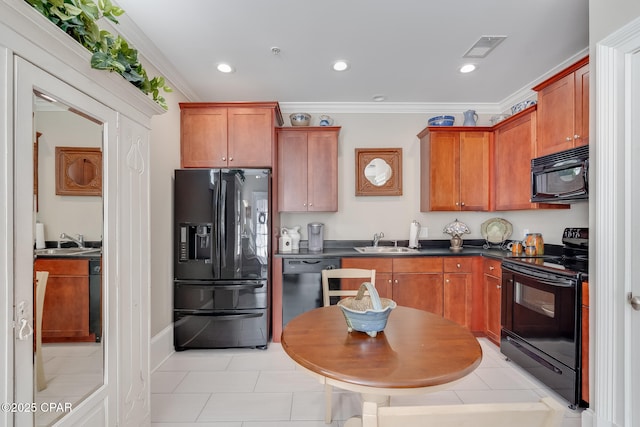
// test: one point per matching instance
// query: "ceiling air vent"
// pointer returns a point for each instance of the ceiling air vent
(483, 46)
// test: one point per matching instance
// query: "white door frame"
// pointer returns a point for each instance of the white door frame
(615, 155)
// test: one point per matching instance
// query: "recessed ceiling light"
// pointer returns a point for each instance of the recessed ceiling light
(225, 68)
(341, 65)
(379, 98)
(467, 68)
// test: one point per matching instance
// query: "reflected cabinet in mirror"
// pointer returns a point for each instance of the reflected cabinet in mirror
(378, 171)
(78, 171)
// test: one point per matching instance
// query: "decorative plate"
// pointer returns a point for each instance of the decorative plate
(496, 230)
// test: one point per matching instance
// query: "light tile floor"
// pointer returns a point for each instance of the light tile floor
(263, 388)
(72, 371)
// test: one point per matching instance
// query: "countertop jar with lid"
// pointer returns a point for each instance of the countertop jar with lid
(535, 240)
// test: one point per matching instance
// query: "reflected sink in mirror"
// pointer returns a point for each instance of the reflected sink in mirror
(68, 252)
(385, 250)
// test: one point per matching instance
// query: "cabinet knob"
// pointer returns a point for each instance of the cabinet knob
(304, 204)
(446, 281)
(390, 280)
(457, 204)
(462, 204)
(224, 159)
(568, 138)
(231, 159)
(458, 265)
(498, 286)
(395, 281)
(491, 267)
(576, 136)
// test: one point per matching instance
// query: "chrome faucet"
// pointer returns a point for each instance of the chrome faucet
(376, 238)
(78, 241)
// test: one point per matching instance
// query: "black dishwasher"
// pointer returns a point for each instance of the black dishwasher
(302, 284)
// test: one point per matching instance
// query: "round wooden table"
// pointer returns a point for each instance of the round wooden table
(417, 352)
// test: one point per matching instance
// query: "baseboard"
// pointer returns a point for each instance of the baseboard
(161, 347)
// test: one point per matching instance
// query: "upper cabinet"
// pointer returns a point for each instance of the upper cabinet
(308, 169)
(238, 134)
(563, 110)
(456, 169)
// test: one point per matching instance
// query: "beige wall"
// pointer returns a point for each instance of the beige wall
(165, 157)
(65, 214)
(360, 217)
(605, 16)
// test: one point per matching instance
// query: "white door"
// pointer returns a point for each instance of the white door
(615, 391)
(28, 79)
(633, 253)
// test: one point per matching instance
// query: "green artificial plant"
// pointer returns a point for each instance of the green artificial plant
(78, 18)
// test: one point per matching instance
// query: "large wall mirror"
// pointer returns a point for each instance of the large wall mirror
(70, 333)
(378, 171)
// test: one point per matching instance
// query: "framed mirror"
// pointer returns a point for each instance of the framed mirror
(78, 171)
(378, 171)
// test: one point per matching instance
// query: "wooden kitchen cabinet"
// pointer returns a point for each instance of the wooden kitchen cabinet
(514, 147)
(220, 135)
(308, 169)
(563, 110)
(66, 303)
(457, 290)
(492, 280)
(456, 169)
(410, 281)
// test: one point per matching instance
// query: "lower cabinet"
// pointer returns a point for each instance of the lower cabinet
(492, 280)
(66, 315)
(458, 289)
(440, 285)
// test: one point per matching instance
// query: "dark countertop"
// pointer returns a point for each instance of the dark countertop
(345, 248)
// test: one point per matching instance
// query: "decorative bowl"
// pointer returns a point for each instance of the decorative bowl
(300, 119)
(366, 314)
(523, 105)
(442, 121)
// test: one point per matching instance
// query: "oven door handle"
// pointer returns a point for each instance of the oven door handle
(561, 283)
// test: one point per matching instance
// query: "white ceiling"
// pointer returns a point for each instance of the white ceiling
(406, 50)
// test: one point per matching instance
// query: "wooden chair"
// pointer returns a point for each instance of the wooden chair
(341, 273)
(41, 288)
(545, 413)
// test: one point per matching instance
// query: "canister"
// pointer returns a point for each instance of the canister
(535, 239)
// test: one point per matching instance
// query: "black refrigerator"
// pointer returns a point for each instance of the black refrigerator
(221, 258)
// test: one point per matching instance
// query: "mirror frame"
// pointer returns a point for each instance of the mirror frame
(65, 186)
(393, 156)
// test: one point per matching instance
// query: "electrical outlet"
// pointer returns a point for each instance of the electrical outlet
(525, 232)
(424, 232)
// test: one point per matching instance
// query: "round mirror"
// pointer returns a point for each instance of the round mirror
(82, 171)
(378, 172)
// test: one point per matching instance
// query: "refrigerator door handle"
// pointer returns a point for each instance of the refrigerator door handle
(215, 246)
(223, 223)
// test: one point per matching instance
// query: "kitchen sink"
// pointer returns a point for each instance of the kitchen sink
(68, 252)
(385, 250)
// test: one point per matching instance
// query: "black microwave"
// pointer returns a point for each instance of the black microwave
(561, 177)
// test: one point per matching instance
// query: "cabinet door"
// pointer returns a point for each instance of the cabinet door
(556, 116)
(457, 291)
(514, 149)
(474, 171)
(492, 286)
(383, 267)
(292, 171)
(419, 290)
(203, 137)
(250, 132)
(322, 171)
(444, 171)
(581, 134)
(65, 312)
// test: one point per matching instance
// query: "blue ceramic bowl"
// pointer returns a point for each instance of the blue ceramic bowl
(442, 121)
(520, 106)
